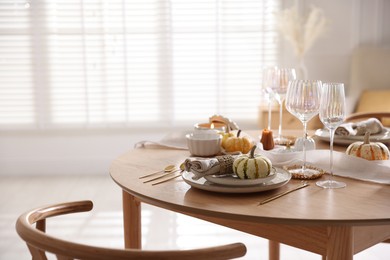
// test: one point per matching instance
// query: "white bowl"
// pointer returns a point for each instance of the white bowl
(204, 145)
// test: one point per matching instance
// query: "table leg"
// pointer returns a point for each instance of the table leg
(131, 221)
(340, 243)
(274, 250)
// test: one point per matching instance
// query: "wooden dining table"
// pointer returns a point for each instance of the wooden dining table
(334, 223)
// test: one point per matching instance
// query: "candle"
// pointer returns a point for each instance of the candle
(267, 139)
(208, 126)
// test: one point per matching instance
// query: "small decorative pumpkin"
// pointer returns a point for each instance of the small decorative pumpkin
(369, 150)
(267, 139)
(225, 136)
(238, 144)
(287, 149)
(310, 144)
(252, 166)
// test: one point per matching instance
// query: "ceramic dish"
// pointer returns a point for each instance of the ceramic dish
(233, 180)
(204, 144)
(323, 134)
(282, 178)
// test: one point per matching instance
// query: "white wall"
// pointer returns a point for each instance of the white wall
(352, 23)
(65, 152)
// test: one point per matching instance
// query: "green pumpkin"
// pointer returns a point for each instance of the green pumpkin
(252, 166)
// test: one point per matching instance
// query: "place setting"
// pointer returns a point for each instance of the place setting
(350, 132)
(242, 173)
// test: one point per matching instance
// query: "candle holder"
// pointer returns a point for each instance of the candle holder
(210, 126)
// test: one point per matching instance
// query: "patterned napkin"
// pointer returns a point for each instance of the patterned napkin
(218, 165)
(372, 125)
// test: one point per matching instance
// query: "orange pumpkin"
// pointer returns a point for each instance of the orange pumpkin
(238, 144)
(368, 150)
(225, 135)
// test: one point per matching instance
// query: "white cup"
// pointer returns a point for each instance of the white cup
(206, 144)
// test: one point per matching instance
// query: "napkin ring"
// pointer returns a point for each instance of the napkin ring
(225, 164)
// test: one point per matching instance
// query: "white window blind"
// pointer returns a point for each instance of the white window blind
(89, 63)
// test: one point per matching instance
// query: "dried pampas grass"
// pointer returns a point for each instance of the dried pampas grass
(301, 33)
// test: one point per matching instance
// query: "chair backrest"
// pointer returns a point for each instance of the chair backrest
(369, 71)
(380, 115)
(39, 242)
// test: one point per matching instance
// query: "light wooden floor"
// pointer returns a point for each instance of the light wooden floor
(103, 227)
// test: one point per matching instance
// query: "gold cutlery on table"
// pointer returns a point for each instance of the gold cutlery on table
(181, 169)
(283, 193)
(169, 168)
(168, 179)
(162, 176)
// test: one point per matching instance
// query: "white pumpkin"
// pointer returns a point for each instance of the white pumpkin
(310, 144)
(250, 166)
(368, 150)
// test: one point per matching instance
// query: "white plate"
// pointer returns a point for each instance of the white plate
(282, 177)
(323, 134)
(233, 180)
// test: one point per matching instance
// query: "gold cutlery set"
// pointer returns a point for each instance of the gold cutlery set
(164, 175)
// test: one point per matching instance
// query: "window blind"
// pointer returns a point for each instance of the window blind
(144, 63)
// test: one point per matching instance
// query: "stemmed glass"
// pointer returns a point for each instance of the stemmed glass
(269, 80)
(284, 75)
(332, 114)
(303, 101)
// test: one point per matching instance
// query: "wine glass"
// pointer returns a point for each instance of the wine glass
(303, 101)
(332, 114)
(284, 75)
(269, 80)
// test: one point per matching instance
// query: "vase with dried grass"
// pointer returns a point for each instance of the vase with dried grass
(301, 33)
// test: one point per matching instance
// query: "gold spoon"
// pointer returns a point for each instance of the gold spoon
(169, 168)
(182, 169)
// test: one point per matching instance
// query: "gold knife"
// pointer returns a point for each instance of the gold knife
(161, 176)
(168, 179)
(283, 193)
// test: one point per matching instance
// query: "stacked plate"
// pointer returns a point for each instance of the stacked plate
(233, 180)
(232, 184)
(324, 135)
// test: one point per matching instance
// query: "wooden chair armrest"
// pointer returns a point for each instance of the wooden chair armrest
(361, 115)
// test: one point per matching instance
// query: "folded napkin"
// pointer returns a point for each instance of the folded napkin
(221, 119)
(372, 125)
(343, 164)
(201, 167)
(174, 140)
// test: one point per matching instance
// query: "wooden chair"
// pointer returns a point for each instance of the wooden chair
(39, 242)
(368, 77)
(362, 115)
